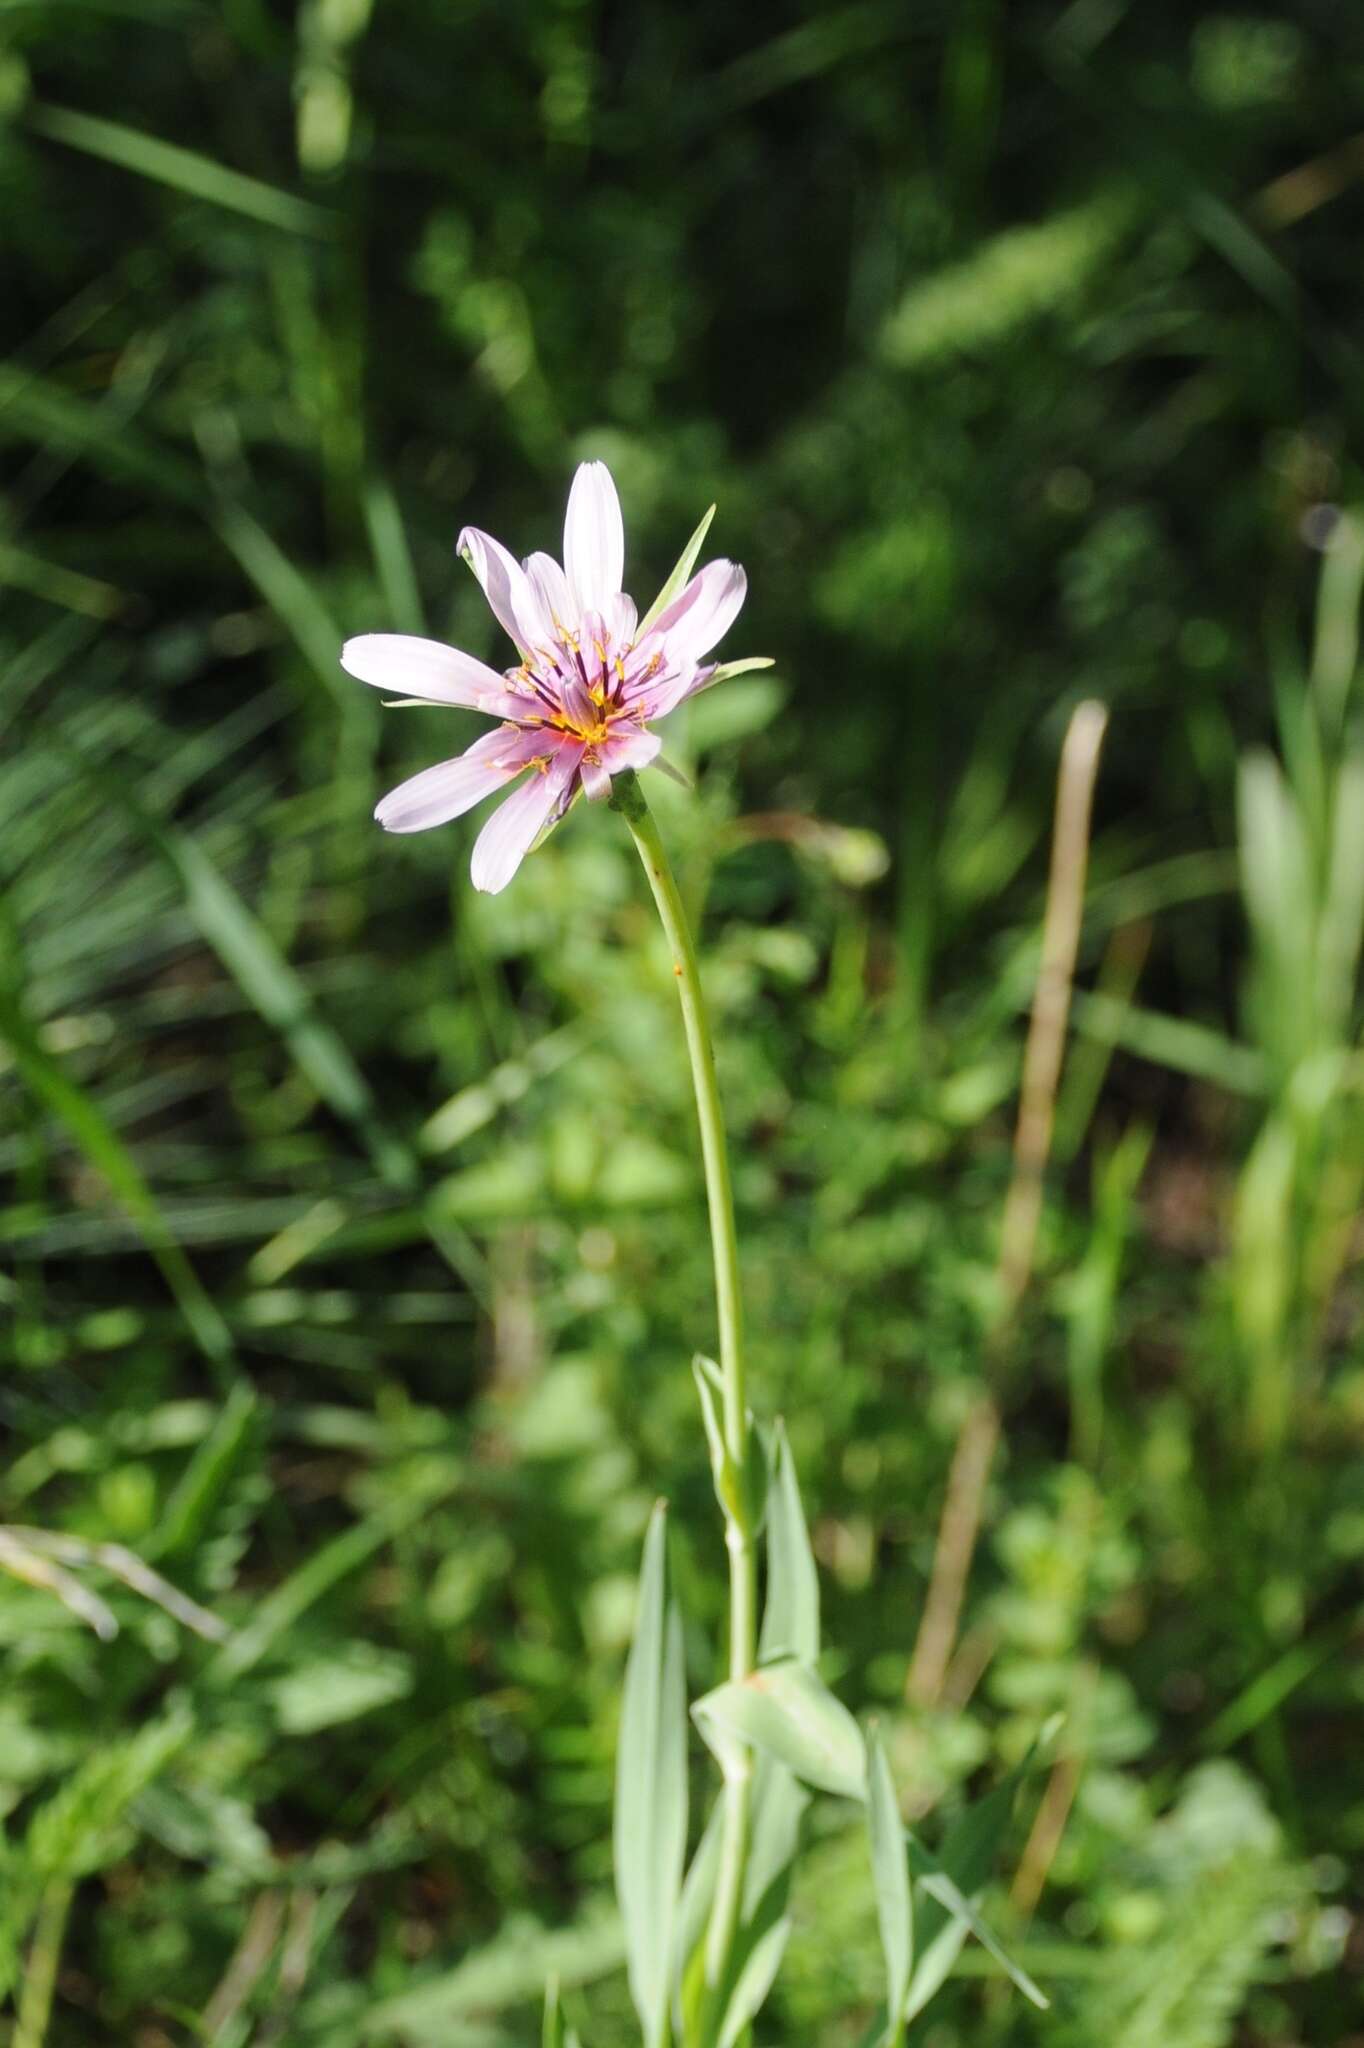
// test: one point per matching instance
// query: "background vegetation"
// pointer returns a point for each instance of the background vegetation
(352, 1240)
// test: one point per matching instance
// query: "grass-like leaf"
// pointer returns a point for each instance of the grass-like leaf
(651, 1789)
(682, 569)
(184, 170)
(890, 1876)
(949, 1880)
(791, 1614)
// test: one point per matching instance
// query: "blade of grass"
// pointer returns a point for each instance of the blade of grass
(74, 1107)
(420, 1491)
(183, 170)
(393, 559)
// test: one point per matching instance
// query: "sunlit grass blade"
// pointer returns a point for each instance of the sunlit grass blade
(183, 170)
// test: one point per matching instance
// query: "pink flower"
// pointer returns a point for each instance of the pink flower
(577, 707)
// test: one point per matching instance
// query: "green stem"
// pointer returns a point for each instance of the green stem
(628, 798)
(40, 1978)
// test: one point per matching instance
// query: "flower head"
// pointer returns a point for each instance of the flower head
(576, 708)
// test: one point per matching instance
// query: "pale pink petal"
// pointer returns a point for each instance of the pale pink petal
(594, 538)
(628, 750)
(596, 781)
(621, 621)
(508, 590)
(578, 705)
(663, 693)
(453, 787)
(701, 614)
(591, 648)
(427, 668)
(514, 826)
(550, 585)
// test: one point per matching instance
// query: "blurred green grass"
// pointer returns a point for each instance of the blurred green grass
(352, 1244)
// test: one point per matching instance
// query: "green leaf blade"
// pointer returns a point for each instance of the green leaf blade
(787, 1712)
(790, 1625)
(950, 1882)
(650, 1830)
(890, 1878)
(682, 569)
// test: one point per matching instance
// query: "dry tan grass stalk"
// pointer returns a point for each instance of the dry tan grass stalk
(973, 1454)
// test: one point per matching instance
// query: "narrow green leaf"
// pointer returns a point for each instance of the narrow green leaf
(890, 1876)
(759, 1959)
(201, 1485)
(791, 1614)
(393, 558)
(1335, 652)
(786, 1711)
(552, 2032)
(1341, 929)
(287, 591)
(693, 1915)
(417, 1492)
(682, 570)
(76, 1831)
(727, 669)
(778, 1804)
(46, 412)
(650, 1832)
(949, 1881)
(742, 1495)
(706, 1373)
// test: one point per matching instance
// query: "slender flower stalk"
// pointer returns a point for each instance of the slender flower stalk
(573, 715)
(628, 798)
